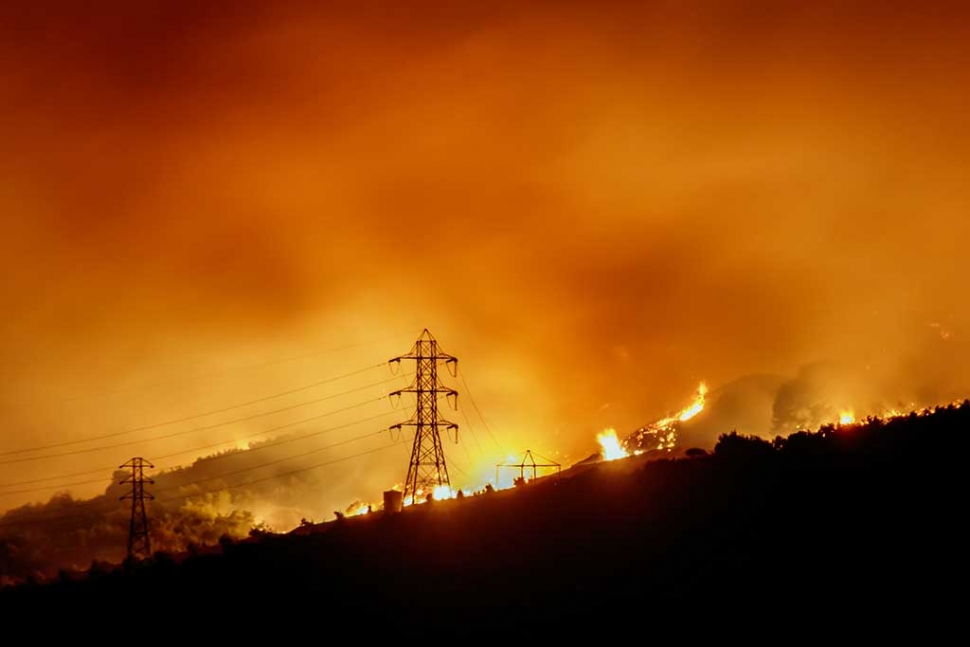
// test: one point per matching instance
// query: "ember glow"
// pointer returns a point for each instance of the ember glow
(662, 434)
(848, 417)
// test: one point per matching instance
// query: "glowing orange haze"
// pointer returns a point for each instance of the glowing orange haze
(592, 205)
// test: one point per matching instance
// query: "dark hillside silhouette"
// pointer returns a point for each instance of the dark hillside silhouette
(863, 516)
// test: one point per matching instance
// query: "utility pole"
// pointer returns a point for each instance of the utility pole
(427, 469)
(139, 537)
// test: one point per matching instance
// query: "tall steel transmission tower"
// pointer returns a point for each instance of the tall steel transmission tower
(427, 469)
(139, 538)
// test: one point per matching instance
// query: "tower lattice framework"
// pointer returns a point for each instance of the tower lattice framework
(427, 469)
(139, 532)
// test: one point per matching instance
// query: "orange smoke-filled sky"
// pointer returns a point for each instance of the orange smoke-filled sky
(593, 205)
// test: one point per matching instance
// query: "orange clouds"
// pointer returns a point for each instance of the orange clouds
(719, 188)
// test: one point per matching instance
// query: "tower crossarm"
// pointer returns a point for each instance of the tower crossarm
(427, 469)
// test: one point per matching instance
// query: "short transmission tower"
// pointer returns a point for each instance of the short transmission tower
(427, 469)
(139, 538)
(529, 462)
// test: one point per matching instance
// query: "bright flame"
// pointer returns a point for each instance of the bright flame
(662, 434)
(357, 508)
(849, 417)
(610, 444)
(697, 406)
(442, 492)
(438, 493)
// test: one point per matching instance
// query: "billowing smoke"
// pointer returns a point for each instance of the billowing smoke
(223, 495)
(593, 205)
(819, 394)
(36, 541)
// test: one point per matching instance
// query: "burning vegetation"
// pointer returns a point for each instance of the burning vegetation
(664, 434)
(816, 515)
(658, 436)
(37, 540)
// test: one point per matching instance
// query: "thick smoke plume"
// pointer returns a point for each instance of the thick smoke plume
(593, 205)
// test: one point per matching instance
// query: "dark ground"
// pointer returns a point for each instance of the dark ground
(854, 529)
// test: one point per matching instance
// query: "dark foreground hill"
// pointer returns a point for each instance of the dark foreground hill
(863, 523)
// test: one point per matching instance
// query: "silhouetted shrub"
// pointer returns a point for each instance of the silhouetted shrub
(735, 445)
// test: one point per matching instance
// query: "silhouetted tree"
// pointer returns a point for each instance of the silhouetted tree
(97, 569)
(735, 445)
(259, 530)
(802, 443)
(225, 542)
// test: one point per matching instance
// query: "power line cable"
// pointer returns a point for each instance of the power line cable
(194, 494)
(471, 399)
(212, 458)
(203, 414)
(202, 376)
(284, 440)
(268, 463)
(468, 455)
(228, 487)
(60, 476)
(284, 474)
(468, 423)
(203, 428)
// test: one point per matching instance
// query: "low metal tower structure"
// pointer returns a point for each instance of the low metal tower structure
(529, 462)
(427, 469)
(139, 535)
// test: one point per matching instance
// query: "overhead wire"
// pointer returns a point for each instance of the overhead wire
(200, 415)
(286, 440)
(59, 476)
(471, 430)
(52, 487)
(95, 502)
(192, 449)
(283, 474)
(468, 455)
(460, 470)
(202, 376)
(272, 444)
(212, 445)
(204, 427)
(477, 410)
(196, 449)
(264, 446)
(268, 463)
